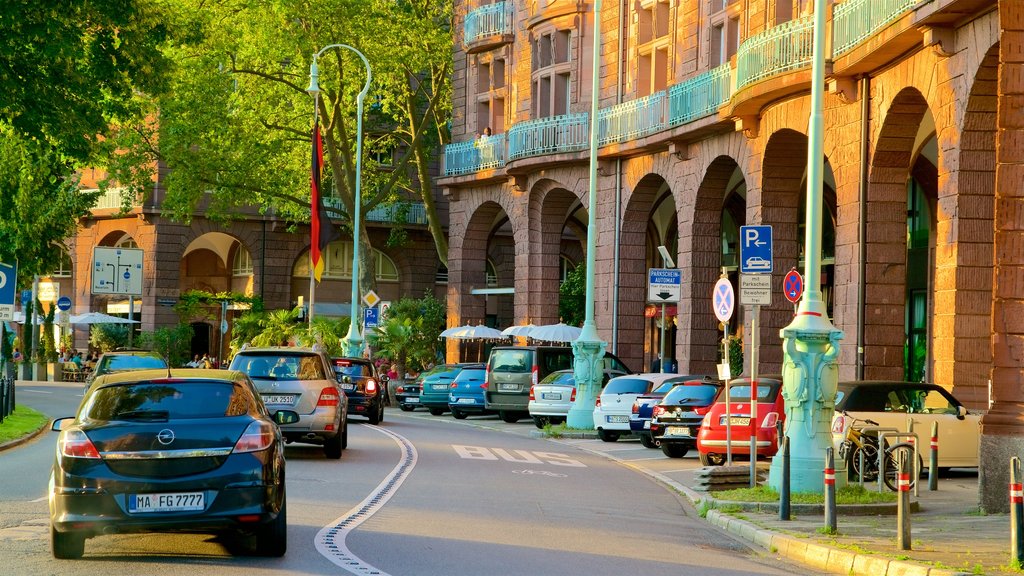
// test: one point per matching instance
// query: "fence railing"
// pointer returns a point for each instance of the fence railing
(483, 153)
(413, 212)
(6, 397)
(783, 48)
(488, 21)
(631, 120)
(110, 198)
(699, 96)
(566, 133)
(854, 21)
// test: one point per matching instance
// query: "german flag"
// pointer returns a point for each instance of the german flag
(322, 230)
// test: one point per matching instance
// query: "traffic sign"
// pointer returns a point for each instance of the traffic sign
(756, 289)
(8, 283)
(371, 299)
(26, 297)
(64, 303)
(723, 299)
(117, 271)
(793, 286)
(663, 285)
(371, 317)
(756, 249)
(384, 305)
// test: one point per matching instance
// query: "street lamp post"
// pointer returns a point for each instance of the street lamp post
(352, 344)
(810, 343)
(588, 349)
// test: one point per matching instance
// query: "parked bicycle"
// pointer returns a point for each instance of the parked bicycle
(859, 442)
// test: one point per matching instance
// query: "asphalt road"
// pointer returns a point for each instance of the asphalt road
(419, 495)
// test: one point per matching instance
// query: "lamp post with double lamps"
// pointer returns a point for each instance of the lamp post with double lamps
(352, 344)
(588, 349)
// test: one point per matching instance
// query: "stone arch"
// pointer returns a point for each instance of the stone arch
(886, 266)
(551, 208)
(206, 263)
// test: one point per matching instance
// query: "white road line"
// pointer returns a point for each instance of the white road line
(36, 391)
(640, 459)
(330, 540)
(43, 499)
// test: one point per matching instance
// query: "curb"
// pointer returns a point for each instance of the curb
(26, 438)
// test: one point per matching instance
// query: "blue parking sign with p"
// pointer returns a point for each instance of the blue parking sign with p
(756, 249)
(371, 317)
(8, 282)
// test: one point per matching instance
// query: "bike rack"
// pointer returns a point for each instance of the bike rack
(881, 457)
(876, 430)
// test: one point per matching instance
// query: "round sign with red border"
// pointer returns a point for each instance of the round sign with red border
(723, 299)
(793, 286)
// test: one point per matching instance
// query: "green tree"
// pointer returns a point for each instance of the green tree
(572, 296)
(48, 342)
(396, 339)
(174, 344)
(106, 337)
(432, 316)
(245, 328)
(325, 332)
(278, 328)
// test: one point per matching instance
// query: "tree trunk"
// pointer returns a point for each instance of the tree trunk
(429, 206)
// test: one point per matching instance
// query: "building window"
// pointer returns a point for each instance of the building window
(565, 267)
(725, 33)
(242, 265)
(490, 95)
(492, 275)
(64, 266)
(552, 79)
(653, 25)
(338, 264)
(126, 241)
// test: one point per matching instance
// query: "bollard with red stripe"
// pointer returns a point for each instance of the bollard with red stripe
(830, 492)
(903, 501)
(1016, 512)
(933, 459)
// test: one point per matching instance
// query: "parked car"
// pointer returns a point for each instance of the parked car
(614, 405)
(466, 393)
(407, 395)
(643, 406)
(301, 380)
(436, 385)
(157, 451)
(124, 360)
(712, 441)
(677, 418)
(551, 399)
(892, 403)
(513, 370)
(361, 383)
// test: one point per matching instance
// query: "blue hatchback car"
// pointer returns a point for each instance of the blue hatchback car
(436, 384)
(466, 395)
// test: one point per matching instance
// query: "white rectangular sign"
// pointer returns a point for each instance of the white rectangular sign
(117, 271)
(756, 289)
(48, 291)
(663, 285)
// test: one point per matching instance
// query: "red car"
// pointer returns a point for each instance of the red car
(711, 442)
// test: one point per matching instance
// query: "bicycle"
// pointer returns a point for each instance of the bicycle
(866, 443)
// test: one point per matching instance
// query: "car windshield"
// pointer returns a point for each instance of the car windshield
(350, 368)
(510, 360)
(280, 366)
(559, 378)
(168, 400)
(910, 399)
(132, 362)
(766, 392)
(702, 394)
(627, 386)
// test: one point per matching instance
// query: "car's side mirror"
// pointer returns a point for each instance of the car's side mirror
(961, 412)
(286, 417)
(59, 423)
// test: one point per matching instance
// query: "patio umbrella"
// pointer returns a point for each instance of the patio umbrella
(479, 332)
(556, 333)
(99, 318)
(518, 330)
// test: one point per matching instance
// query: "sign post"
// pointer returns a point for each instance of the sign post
(663, 285)
(723, 300)
(8, 283)
(755, 290)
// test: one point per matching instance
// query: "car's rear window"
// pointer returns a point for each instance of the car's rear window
(505, 360)
(552, 360)
(703, 394)
(133, 362)
(350, 368)
(280, 366)
(560, 378)
(623, 385)
(167, 401)
(766, 392)
(471, 374)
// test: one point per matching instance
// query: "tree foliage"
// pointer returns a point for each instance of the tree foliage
(106, 337)
(409, 331)
(572, 297)
(174, 343)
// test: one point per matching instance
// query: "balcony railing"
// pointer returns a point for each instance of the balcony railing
(415, 212)
(854, 21)
(481, 154)
(110, 199)
(699, 96)
(566, 133)
(489, 20)
(783, 48)
(632, 120)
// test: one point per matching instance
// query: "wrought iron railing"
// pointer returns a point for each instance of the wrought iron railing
(854, 21)
(414, 212)
(631, 120)
(783, 48)
(566, 133)
(484, 153)
(699, 96)
(488, 21)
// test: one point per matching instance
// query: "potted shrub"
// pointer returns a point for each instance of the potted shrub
(54, 370)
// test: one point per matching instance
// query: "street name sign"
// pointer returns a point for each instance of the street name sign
(8, 282)
(756, 249)
(756, 289)
(663, 285)
(117, 271)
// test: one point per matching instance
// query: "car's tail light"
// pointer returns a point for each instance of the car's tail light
(454, 386)
(400, 390)
(258, 436)
(484, 385)
(572, 397)
(533, 376)
(532, 398)
(597, 403)
(636, 408)
(702, 410)
(770, 420)
(658, 411)
(371, 386)
(75, 444)
(328, 397)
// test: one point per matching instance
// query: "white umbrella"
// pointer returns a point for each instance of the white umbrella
(518, 330)
(99, 318)
(556, 333)
(479, 332)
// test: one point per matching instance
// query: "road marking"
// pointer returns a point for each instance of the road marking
(642, 459)
(36, 391)
(330, 540)
(524, 456)
(540, 473)
(43, 499)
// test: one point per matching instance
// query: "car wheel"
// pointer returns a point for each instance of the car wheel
(333, 446)
(711, 459)
(66, 545)
(648, 441)
(406, 408)
(607, 436)
(540, 421)
(436, 411)
(509, 417)
(674, 450)
(272, 539)
(458, 414)
(377, 415)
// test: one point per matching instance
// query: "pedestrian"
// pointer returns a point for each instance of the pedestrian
(204, 362)
(17, 355)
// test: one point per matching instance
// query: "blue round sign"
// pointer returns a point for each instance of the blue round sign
(64, 303)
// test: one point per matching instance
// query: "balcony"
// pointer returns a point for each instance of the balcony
(553, 135)
(414, 212)
(485, 153)
(854, 21)
(783, 48)
(633, 119)
(699, 96)
(110, 199)
(488, 27)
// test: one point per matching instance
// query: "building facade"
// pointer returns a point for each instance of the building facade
(704, 108)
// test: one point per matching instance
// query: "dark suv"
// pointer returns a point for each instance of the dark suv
(361, 383)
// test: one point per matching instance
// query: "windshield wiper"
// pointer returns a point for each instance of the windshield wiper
(142, 415)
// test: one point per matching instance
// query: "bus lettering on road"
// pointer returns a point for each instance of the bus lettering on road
(520, 456)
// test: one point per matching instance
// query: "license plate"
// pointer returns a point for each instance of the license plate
(348, 386)
(171, 502)
(677, 431)
(738, 421)
(617, 419)
(279, 399)
(438, 386)
(551, 396)
(647, 424)
(467, 401)
(413, 400)
(508, 386)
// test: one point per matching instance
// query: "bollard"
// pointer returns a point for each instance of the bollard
(784, 508)
(903, 503)
(933, 459)
(860, 455)
(1016, 513)
(830, 492)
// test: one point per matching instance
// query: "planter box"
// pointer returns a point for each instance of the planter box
(54, 371)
